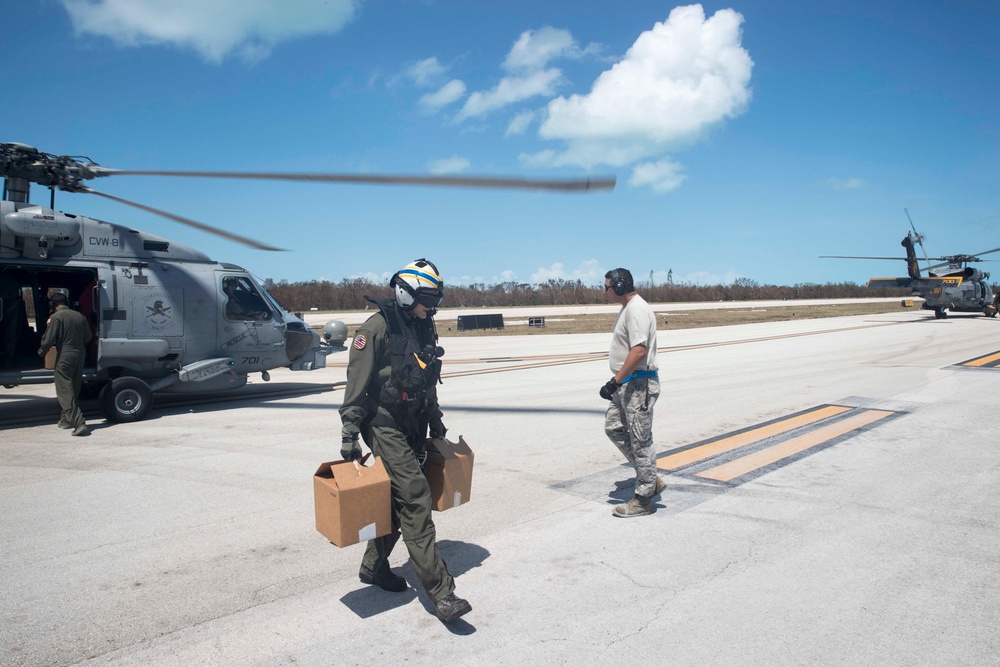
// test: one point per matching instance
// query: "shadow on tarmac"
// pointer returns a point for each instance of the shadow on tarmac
(460, 557)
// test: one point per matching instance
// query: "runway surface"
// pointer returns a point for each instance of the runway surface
(515, 313)
(831, 499)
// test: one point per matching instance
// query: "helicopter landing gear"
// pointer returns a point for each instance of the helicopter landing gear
(940, 313)
(126, 399)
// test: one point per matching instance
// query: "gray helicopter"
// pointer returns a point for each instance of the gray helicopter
(959, 288)
(165, 317)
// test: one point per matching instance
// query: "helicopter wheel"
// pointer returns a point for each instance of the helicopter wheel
(940, 313)
(126, 400)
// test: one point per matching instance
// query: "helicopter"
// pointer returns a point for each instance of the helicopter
(164, 316)
(959, 288)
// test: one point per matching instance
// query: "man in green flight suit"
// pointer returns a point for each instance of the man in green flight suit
(69, 332)
(391, 400)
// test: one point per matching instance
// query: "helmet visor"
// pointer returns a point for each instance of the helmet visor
(429, 299)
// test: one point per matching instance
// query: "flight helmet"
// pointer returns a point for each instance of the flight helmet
(418, 282)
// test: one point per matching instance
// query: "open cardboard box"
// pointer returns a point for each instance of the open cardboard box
(449, 472)
(352, 502)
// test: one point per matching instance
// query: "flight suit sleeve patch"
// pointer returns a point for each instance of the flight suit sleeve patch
(360, 341)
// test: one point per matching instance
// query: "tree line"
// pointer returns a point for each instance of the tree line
(349, 293)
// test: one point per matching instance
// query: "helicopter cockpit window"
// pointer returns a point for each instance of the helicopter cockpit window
(243, 301)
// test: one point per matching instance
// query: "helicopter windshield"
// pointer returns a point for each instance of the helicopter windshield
(244, 300)
(278, 309)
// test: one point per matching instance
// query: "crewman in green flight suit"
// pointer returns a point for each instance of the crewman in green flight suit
(69, 332)
(391, 400)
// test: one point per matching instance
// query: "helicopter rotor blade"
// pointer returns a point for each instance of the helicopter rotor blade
(918, 236)
(186, 221)
(976, 255)
(857, 257)
(569, 185)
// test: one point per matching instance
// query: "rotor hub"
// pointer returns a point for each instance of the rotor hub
(20, 161)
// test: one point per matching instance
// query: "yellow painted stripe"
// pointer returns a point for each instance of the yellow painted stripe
(710, 449)
(750, 462)
(982, 361)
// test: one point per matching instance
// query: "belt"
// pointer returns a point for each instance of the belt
(639, 375)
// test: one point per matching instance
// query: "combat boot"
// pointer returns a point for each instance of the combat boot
(450, 607)
(660, 485)
(81, 430)
(63, 424)
(387, 581)
(638, 506)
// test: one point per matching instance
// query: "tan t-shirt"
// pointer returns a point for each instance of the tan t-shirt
(636, 325)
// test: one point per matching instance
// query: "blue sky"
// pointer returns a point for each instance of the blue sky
(748, 138)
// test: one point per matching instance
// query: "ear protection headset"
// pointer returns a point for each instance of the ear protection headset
(620, 282)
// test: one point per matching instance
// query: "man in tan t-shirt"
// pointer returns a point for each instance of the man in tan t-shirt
(633, 389)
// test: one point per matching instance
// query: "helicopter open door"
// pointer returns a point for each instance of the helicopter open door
(24, 312)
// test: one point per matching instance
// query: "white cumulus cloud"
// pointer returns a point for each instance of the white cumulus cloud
(589, 272)
(449, 165)
(662, 176)
(534, 49)
(425, 72)
(707, 278)
(682, 77)
(528, 74)
(214, 29)
(509, 90)
(519, 123)
(448, 93)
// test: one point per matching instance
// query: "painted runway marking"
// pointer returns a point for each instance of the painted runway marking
(706, 450)
(727, 472)
(738, 457)
(988, 361)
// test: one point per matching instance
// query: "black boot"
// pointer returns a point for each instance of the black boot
(387, 581)
(451, 607)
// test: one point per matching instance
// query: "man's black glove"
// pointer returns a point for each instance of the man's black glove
(609, 389)
(350, 450)
(437, 429)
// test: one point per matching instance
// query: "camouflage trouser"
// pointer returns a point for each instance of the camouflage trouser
(629, 424)
(411, 502)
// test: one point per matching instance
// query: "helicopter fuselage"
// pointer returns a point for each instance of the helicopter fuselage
(964, 290)
(161, 312)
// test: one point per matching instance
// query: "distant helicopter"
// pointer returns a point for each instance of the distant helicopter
(165, 317)
(961, 288)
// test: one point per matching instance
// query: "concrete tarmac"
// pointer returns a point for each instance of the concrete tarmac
(188, 538)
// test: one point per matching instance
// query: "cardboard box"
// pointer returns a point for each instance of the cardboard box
(50, 358)
(352, 502)
(449, 472)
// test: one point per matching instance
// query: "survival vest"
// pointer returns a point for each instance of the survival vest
(414, 367)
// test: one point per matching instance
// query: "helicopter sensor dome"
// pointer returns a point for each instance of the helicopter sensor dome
(334, 332)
